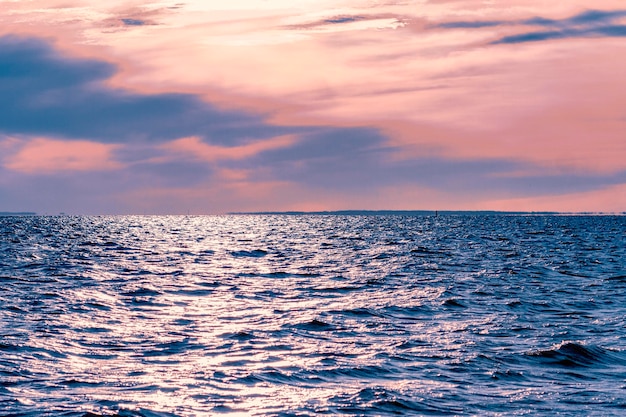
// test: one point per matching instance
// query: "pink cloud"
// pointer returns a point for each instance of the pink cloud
(194, 147)
(210, 197)
(8, 145)
(609, 200)
(240, 194)
(43, 155)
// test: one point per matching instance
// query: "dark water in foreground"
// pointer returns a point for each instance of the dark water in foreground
(312, 315)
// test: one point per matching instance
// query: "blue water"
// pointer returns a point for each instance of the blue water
(312, 315)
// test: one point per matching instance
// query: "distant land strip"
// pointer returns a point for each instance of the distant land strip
(379, 213)
(416, 213)
(429, 213)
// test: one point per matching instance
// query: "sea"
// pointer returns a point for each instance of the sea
(307, 315)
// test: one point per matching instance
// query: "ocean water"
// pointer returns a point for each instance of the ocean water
(312, 315)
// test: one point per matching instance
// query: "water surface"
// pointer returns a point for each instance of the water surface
(312, 315)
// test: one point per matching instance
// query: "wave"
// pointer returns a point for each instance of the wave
(315, 325)
(256, 253)
(376, 401)
(572, 355)
(279, 274)
(142, 412)
(142, 292)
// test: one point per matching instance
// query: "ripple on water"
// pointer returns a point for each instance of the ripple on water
(312, 315)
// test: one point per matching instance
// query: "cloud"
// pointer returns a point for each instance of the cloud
(590, 23)
(540, 21)
(128, 17)
(361, 159)
(606, 199)
(534, 37)
(586, 18)
(590, 17)
(343, 19)
(46, 94)
(194, 147)
(344, 22)
(471, 25)
(612, 31)
(133, 22)
(43, 155)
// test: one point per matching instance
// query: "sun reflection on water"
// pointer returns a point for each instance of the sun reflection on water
(265, 315)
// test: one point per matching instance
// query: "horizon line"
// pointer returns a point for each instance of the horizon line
(417, 212)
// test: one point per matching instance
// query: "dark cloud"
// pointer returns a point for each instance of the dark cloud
(604, 31)
(44, 93)
(167, 174)
(348, 158)
(471, 25)
(590, 23)
(532, 37)
(87, 192)
(613, 31)
(339, 144)
(590, 17)
(540, 21)
(133, 22)
(359, 159)
(343, 19)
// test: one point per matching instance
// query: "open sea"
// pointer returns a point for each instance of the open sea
(306, 315)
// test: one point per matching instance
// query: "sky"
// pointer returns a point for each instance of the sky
(205, 107)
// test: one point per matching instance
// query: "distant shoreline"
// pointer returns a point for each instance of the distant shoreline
(17, 213)
(411, 213)
(427, 213)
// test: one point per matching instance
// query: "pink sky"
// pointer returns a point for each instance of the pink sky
(210, 107)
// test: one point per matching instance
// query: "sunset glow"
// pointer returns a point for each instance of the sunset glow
(210, 107)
